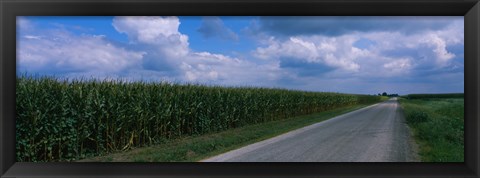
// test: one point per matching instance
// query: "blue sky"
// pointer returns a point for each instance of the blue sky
(364, 55)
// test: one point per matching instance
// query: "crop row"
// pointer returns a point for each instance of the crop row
(58, 120)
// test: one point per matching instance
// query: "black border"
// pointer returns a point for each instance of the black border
(9, 9)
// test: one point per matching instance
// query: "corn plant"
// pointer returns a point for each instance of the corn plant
(65, 120)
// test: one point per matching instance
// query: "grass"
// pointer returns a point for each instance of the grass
(438, 125)
(189, 149)
(441, 95)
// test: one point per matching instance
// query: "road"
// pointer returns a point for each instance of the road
(377, 133)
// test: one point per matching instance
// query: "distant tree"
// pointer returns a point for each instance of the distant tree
(384, 94)
(379, 94)
(392, 95)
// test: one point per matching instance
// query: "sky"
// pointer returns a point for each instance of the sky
(359, 54)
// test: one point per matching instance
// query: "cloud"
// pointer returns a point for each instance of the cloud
(428, 49)
(376, 39)
(212, 27)
(189, 65)
(157, 31)
(373, 56)
(399, 65)
(364, 60)
(339, 25)
(304, 68)
(315, 49)
(167, 50)
(205, 67)
(32, 37)
(440, 53)
(159, 37)
(62, 52)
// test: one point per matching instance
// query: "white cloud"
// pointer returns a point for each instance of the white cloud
(423, 49)
(430, 47)
(168, 46)
(158, 51)
(399, 66)
(158, 31)
(32, 37)
(206, 67)
(299, 47)
(454, 33)
(333, 52)
(147, 29)
(63, 52)
(438, 47)
(198, 73)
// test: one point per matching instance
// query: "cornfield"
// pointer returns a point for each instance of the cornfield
(60, 120)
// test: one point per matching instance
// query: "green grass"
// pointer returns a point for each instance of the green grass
(201, 147)
(438, 125)
(430, 96)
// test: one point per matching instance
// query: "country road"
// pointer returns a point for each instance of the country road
(377, 133)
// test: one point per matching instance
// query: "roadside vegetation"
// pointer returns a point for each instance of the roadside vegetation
(437, 96)
(438, 125)
(68, 120)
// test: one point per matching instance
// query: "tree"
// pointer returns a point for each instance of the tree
(384, 94)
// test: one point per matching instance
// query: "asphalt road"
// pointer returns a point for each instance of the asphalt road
(377, 133)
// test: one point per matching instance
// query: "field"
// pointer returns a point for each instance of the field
(428, 96)
(60, 120)
(438, 124)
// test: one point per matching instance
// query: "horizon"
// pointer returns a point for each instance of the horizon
(120, 81)
(356, 55)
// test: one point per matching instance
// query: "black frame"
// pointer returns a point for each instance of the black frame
(9, 9)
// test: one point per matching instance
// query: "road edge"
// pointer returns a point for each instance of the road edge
(230, 154)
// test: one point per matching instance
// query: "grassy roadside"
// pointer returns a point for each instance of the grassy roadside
(438, 126)
(201, 147)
